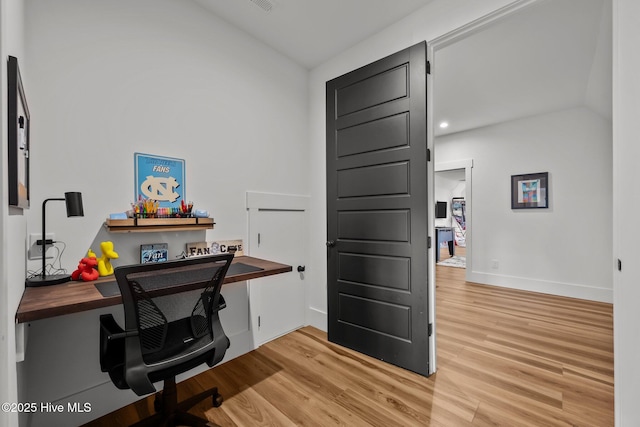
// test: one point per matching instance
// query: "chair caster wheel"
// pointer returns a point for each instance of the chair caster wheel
(217, 400)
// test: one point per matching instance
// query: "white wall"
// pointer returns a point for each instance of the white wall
(565, 249)
(164, 77)
(161, 77)
(626, 152)
(12, 222)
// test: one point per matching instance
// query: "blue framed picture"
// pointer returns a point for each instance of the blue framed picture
(159, 178)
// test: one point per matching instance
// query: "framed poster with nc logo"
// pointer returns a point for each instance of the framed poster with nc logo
(18, 126)
(159, 178)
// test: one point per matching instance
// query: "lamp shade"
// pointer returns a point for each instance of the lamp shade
(73, 200)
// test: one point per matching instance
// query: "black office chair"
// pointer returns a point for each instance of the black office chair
(171, 326)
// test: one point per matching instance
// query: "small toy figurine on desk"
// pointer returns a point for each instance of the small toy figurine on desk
(104, 262)
(86, 269)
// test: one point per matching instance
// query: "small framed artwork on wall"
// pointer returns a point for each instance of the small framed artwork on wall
(18, 134)
(530, 191)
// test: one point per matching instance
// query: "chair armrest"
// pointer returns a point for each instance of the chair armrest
(111, 351)
(109, 325)
(112, 330)
(120, 335)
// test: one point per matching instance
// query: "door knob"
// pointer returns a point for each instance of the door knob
(301, 268)
(331, 243)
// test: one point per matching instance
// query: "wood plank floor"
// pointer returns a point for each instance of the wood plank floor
(505, 358)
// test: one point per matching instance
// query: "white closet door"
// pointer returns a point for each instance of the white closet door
(278, 303)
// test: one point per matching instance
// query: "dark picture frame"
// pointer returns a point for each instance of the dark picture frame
(19, 122)
(530, 191)
(441, 209)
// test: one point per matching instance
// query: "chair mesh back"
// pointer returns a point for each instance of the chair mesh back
(200, 312)
(152, 323)
(199, 326)
(172, 302)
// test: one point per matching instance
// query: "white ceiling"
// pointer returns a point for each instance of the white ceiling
(552, 55)
(312, 31)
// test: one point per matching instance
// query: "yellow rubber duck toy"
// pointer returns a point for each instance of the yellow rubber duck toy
(104, 262)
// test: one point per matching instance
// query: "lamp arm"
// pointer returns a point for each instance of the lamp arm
(43, 241)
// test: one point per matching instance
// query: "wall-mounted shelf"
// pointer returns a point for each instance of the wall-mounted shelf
(147, 225)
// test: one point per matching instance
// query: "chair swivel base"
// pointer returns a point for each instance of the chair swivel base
(171, 413)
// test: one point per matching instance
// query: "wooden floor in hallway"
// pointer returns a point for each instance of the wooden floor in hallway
(505, 358)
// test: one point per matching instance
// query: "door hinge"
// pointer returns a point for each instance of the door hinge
(428, 67)
(429, 242)
(428, 155)
(258, 322)
(619, 265)
(430, 329)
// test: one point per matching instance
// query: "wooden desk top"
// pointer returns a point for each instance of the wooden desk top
(73, 297)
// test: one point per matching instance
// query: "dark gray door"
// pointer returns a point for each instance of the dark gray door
(377, 210)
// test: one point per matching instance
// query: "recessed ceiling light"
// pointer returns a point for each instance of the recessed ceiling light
(444, 125)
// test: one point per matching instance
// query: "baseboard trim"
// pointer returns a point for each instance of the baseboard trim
(571, 290)
(317, 318)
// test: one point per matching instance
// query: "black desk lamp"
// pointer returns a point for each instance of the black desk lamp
(73, 200)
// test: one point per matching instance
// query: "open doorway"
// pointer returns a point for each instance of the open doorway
(519, 100)
(451, 213)
(505, 98)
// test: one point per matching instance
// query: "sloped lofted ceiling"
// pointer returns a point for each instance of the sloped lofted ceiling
(552, 55)
(312, 31)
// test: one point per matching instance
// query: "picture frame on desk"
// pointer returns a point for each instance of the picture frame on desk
(195, 249)
(156, 252)
(18, 125)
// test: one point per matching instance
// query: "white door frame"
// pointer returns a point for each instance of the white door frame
(432, 47)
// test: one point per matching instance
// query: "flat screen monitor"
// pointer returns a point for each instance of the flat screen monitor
(441, 209)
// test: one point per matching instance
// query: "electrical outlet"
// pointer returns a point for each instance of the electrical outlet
(35, 250)
(495, 264)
